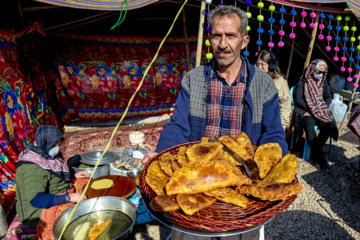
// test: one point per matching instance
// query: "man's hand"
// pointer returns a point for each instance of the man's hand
(74, 197)
(148, 156)
(82, 174)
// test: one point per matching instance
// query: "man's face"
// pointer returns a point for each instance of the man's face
(226, 40)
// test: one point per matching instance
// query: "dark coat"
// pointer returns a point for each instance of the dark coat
(301, 107)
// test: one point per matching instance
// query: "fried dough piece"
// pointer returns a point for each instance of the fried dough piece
(198, 177)
(266, 156)
(191, 203)
(97, 229)
(165, 163)
(203, 151)
(164, 203)
(244, 141)
(205, 140)
(181, 157)
(175, 164)
(156, 178)
(229, 195)
(231, 143)
(284, 171)
(270, 191)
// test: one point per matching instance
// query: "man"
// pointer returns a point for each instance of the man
(224, 97)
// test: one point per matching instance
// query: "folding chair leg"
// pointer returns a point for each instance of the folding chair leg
(292, 142)
(307, 151)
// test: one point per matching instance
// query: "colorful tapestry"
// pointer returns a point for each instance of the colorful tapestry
(99, 74)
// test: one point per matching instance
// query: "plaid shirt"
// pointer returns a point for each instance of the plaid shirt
(225, 103)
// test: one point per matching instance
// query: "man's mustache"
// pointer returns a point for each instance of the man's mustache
(222, 51)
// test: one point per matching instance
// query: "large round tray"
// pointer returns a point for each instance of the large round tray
(220, 219)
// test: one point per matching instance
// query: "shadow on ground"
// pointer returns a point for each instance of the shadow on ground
(303, 225)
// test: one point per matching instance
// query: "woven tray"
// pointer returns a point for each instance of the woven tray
(219, 217)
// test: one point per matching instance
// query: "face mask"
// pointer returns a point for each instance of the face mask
(54, 151)
(318, 76)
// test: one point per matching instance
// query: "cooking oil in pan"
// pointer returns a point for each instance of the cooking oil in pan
(79, 228)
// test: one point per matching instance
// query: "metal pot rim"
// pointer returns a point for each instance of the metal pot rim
(91, 157)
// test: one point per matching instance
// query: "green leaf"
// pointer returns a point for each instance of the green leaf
(63, 93)
(20, 107)
(143, 94)
(173, 91)
(17, 91)
(82, 66)
(114, 68)
(115, 76)
(81, 95)
(25, 142)
(83, 76)
(40, 107)
(111, 95)
(175, 72)
(8, 85)
(174, 64)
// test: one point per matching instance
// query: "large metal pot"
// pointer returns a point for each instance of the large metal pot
(90, 158)
(97, 204)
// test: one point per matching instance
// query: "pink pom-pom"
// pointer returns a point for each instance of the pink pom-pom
(336, 49)
(303, 14)
(313, 15)
(321, 26)
(293, 24)
(292, 35)
(356, 85)
(343, 59)
(342, 69)
(321, 37)
(281, 44)
(350, 70)
(336, 58)
(281, 33)
(349, 79)
(312, 25)
(256, 54)
(328, 38)
(328, 48)
(271, 44)
(303, 25)
(356, 76)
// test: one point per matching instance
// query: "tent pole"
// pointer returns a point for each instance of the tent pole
(200, 33)
(349, 106)
(312, 41)
(186, 37)
(21, 13)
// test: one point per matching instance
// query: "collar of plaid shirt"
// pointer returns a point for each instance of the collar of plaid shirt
(242, 76)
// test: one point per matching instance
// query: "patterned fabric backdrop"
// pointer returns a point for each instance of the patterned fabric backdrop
(97, 75)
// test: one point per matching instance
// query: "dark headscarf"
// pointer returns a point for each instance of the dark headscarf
(45, 137)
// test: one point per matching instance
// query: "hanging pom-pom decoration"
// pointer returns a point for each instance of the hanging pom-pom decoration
(349, 79)
(248, 28)
(292, 24)
(312, 15)
(344, 48)
(337, 38)
(282, 22)
(336, 58)
(260, 30)
(246, 53)
(356, 85)
(303, 15)
(271, 20)
(208, 55)
(321, 26)
(343, 69)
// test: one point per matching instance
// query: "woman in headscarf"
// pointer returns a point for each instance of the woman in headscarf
(44, 184)
(312, 99)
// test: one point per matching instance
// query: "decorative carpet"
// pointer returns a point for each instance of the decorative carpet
(350, 137)
(79, 143)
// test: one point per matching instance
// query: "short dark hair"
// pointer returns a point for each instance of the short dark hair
(229, 10)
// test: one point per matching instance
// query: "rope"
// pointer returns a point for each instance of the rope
(123, 116)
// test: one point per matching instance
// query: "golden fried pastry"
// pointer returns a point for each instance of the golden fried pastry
(165, 163)
(97, 229)
(205, 140)
(191, 203)
(244, 141)
(198, 177)
(284, 171)
(229, 195)
(266, 156)
(228, 141)
(164, 203)
(270, 191)
(156, 178)
(181, 157)
(175, 164)
(203, 151)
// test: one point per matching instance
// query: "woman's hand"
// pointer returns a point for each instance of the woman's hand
(74, 197)
(148, 156)
(82, 174)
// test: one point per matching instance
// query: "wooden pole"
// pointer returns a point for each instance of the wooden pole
(21, 13)
(186, 38)
(200, 33)
(312, 40)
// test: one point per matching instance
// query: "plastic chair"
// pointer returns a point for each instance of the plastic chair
(307, 150)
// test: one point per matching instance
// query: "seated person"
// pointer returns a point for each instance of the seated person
(42, 178)
(312, 99)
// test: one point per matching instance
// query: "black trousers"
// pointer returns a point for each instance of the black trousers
(316, 142)
(252, 235)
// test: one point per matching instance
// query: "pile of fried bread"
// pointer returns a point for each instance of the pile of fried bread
(198, 176)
